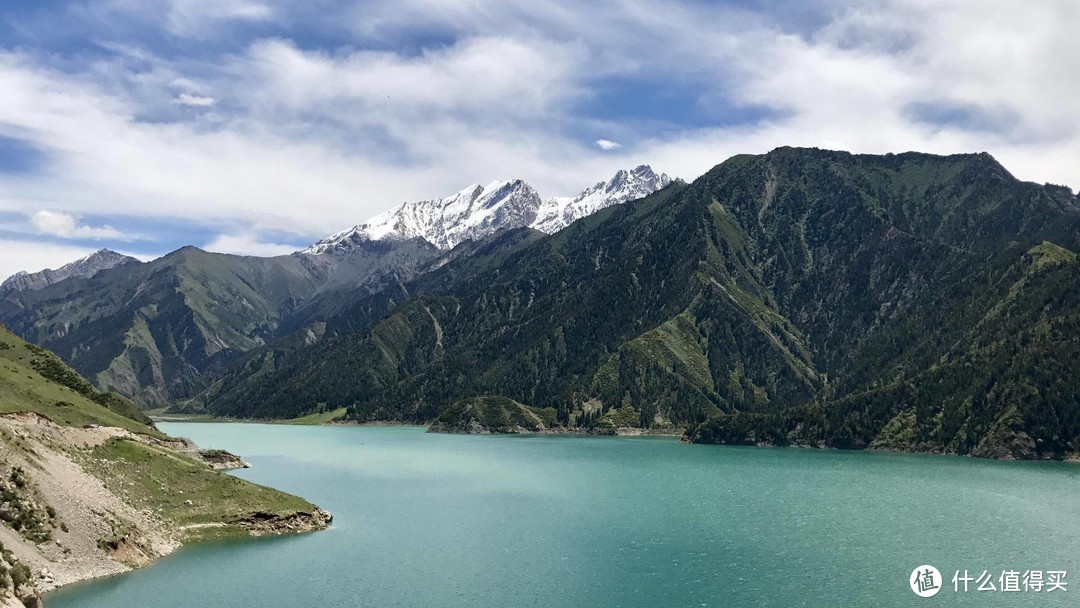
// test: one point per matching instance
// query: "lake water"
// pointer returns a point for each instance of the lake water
(440, 521)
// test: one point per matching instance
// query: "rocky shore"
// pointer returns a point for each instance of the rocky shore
(269, 524)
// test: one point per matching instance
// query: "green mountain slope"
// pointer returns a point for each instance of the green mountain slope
(483, 415)
(1006, 389)
(536, 324)
(156, 332)
(796, 281)
(33, 379)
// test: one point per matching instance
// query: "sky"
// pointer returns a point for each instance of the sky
(260, 126)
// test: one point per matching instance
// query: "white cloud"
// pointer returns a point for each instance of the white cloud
(482, 78)
(67, 226)
(247, 244)
(312, 141)
(187, 99)
(607, 144)
(194, 17)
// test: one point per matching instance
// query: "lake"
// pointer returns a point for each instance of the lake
(489, 521)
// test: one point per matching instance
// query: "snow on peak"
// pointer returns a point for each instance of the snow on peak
(559, 212)
(478, 211)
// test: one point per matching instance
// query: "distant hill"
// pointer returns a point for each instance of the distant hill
(87, 267)
(155, 331)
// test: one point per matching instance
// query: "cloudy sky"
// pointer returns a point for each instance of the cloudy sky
(252, 126)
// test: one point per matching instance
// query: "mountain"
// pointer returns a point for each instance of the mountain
(89, 487)
(163, 331)
(909, 301)
(558, 213)
(103, 259)
(156, 332)
(479, 211)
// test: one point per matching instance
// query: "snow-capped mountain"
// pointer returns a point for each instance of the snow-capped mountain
(478, 211)
(558, 213)
(103, 259)
(471, 213)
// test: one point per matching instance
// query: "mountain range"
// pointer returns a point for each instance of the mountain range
(479, 211)
(802, 297)
(158, 332)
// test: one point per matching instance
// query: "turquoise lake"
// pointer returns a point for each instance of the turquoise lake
(439, 521)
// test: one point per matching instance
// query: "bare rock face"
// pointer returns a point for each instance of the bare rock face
(16, 584)
(222, 460)
(269, 524)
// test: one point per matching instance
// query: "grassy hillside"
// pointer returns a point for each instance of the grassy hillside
(34, 380)
(96, 489)
(201, 502)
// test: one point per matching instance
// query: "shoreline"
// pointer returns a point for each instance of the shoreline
(616, 432)
(85, 486)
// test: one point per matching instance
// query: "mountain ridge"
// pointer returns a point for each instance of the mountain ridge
(801, 278)
(478, 211)
(172, 324)
(86, 267)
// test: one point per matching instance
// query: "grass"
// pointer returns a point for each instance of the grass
(184, 492)
(162, 415)
(23, 389)
(320, 418)
(171, 417)
(677, 344)
(201, 502)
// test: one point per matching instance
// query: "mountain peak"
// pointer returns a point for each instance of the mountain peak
(624, 186)
(478, 211)
(85, 267)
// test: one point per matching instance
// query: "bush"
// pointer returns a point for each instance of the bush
(20, 574)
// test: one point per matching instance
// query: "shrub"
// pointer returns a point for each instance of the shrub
(20, 574)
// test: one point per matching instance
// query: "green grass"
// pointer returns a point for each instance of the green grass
(145, 476)
(159, 479)
(163, 416)
(677, 344)
(320, 418)
(24, 389)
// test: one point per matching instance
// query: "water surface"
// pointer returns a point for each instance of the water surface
(439, 521)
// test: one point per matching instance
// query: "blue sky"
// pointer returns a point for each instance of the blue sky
(259, 126)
